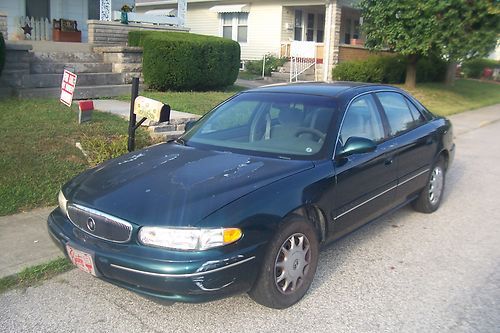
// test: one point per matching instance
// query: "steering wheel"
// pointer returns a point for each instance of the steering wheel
(316, 133)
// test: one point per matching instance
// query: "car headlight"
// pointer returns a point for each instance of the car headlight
(63, 203)
(188, 238)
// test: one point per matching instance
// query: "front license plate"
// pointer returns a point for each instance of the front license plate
(81, 259)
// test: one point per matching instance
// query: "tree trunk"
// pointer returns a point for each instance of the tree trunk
(411, 71)
(450, 73)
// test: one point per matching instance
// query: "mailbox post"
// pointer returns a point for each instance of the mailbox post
(146, 108)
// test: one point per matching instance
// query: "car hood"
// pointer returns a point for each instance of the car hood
(175, 185)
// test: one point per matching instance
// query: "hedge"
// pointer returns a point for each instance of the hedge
(2, 52)
(388, 69)
(474, 68)
(184, 61)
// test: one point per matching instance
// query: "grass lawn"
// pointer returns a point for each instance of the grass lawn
(464, 95)
(38, 152)
(33, 275)
(191, 101)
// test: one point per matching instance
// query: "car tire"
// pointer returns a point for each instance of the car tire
(289, 266)
(431, 195)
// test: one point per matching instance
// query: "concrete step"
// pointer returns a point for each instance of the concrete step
(58, 67)
(286, 68)
(12, 77)
(66, 57)
(84, 79)
(16, 65)
(285, 77)
(280, 77)
(81, 92)
(6, 92)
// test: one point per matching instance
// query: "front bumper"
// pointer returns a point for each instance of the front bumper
(163, 274)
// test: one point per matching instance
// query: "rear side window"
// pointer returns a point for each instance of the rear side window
(398, 113)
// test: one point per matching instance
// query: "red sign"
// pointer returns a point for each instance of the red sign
(67, 87)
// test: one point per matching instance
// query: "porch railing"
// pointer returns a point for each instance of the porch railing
(303, 55)
(41, 29)
(286, 48)
(147, 18)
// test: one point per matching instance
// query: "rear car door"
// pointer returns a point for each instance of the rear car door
(415, 140)
(365, 183)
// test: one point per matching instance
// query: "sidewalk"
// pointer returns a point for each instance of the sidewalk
(24, 240)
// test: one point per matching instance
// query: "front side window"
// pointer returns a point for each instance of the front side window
(235, 26)
(398, 114)
(277, 124)
(362, 120)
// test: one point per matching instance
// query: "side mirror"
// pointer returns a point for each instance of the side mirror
(357, 145)
(189, 125)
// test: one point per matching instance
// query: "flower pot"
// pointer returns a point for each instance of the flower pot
(124, 18)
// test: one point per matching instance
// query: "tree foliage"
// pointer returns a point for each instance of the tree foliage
(452, 29)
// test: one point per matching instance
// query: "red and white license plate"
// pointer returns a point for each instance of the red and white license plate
(81, 259)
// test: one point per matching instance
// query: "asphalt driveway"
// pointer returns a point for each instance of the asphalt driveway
(407, 272)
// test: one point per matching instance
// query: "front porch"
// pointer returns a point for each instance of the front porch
(322, 35)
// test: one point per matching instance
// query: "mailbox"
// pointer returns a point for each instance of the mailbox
(151, 109)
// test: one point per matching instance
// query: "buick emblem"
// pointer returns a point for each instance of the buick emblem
(91, 224)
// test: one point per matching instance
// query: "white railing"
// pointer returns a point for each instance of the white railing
(147, 18)
(302, 57)
(41, 29)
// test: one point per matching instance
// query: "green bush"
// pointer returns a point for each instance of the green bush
(272, 64)
(377, 69)
(474, 68)
(388, 69)
(2, 53)
(183, 61)
(431, 69)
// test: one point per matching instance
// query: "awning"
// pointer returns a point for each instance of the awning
(231, 9)
(162, 12)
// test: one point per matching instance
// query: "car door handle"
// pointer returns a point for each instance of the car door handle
(429, 140)
(388, 161)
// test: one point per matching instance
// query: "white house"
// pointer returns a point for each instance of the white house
(77, 10)
(270, 26)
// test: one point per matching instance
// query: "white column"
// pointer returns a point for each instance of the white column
(105, 11)
(181, 12)
(328, 40)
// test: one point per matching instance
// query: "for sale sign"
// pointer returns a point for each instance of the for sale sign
(67, 87)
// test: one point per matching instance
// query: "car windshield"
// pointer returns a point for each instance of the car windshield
(279, 124)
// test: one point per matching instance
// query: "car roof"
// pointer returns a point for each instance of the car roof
(328, 89)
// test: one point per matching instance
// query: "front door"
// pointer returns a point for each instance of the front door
(365, 183)
(38, 8)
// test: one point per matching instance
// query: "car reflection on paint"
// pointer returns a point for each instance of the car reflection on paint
(244, 199)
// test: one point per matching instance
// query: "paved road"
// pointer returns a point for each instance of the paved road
(408, 272)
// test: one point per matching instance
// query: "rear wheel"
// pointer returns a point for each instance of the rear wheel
(430, 198)
(289, 266)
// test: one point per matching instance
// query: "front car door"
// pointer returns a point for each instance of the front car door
(415, 141)
(365, 183)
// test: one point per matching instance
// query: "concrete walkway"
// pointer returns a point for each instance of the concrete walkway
(122, 109)
(24, 240)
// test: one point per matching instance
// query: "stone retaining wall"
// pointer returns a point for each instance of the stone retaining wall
(124, 59)
(110, 32)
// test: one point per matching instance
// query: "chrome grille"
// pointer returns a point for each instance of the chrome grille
(100, 225)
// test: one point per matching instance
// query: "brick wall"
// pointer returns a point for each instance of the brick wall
(3, 25)
(109, 33)
(353, 52)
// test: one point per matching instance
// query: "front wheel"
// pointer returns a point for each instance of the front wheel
(289, 266)
(430, 198)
